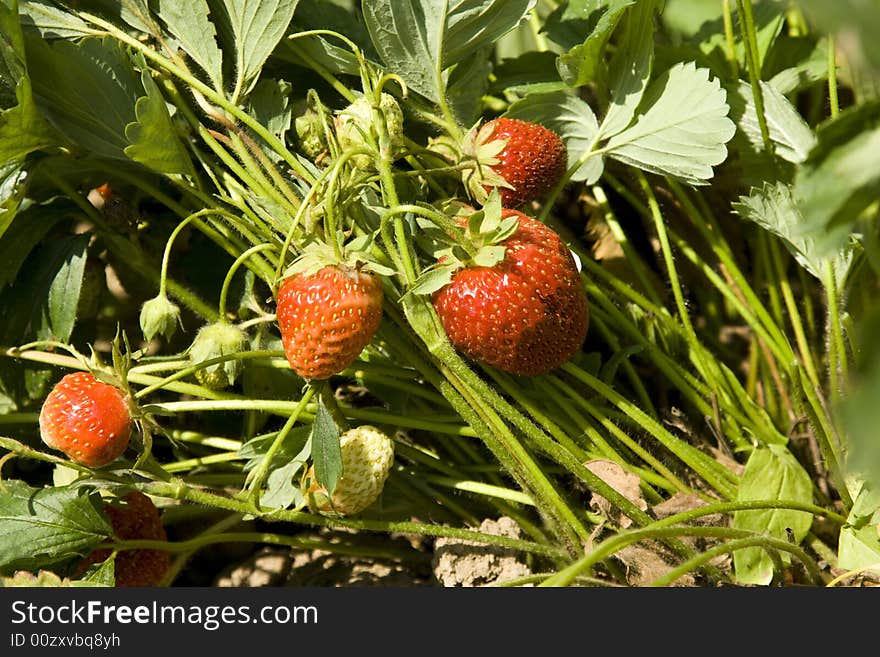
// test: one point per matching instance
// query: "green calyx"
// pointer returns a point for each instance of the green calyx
(356, 254)
(311, 127)
(477, 152)
(479, 243)
(357, 126)
(159, 316)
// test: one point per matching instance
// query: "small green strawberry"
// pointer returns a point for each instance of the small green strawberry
(310, 127)
(367, 455)
(159, 316)
(213, 341)
(356, 127)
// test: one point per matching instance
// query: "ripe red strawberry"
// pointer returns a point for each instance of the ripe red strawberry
(327, 318)
(138, 518)
(532, 161)
(86, 419)
(528, 313)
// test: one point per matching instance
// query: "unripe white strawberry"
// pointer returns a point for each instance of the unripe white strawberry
(367, 455)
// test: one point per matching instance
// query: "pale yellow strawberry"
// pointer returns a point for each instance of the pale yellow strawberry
(367, 455)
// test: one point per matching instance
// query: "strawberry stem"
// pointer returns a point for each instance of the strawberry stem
(262, 471)
(227, 281)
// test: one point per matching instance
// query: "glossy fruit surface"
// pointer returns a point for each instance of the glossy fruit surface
(527, 314)
(532, 162)
(327, 318)
(87, 419)
(136, 518)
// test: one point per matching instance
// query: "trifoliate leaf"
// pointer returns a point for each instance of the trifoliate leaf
(683, 128)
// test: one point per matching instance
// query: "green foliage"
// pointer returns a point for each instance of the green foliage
(771, 473)
(420, 39)
(713, 355)
(325, 451)
(45, 526)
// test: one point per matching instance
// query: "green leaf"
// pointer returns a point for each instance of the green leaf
(25, 233)
(135, 13)
(46, 292)
(154, 141)
(22, 129)
(841, 176)
(595, 18)
(433, 279)
(257, 27)
(43, 526)
(773, 207)
(792, 138)
(102, 574)
(468, 83)
(859, 543)
(796, 63)
(771, 473)
(12, 58)
(51, 22)
(281, 492)
(270, 105)
(294, 442)
(413, 36)
(12, 192)
(859, 410)
(190, 23)
(326, 452)
(87, 90)
(525, 74)
(683, 128)
(630, 68)
(573, 120)
(65, 288)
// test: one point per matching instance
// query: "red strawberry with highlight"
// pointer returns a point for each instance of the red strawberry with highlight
(526, 313)
(136, 518)
(87, 419)
(326, 318)
(532, 161)
(522, 159)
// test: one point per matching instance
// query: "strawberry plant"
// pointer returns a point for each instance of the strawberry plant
(603, 273)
